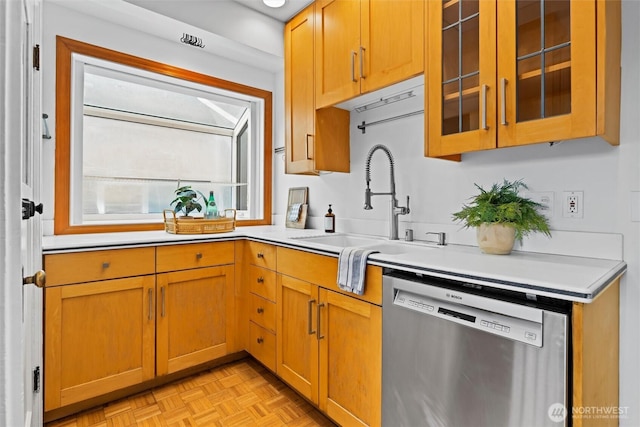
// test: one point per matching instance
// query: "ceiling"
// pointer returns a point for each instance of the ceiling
(283, 14)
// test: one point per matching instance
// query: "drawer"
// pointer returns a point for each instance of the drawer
(262, 345)
(322, 270)
(261, 254)
(81, 267)
(262, 312)
(262, 282)
(194, 255)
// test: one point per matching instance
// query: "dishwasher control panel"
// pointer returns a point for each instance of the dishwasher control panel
(502, 324)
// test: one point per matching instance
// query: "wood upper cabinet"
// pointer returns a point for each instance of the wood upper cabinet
(99, 337)
(194, 310)
(314, 140)
(511, 73)
(365, 45)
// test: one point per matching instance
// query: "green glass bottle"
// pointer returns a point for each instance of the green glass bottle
(212, 210)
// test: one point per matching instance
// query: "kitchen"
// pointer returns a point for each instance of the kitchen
(607, 175)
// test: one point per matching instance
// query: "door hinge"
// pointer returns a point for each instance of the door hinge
(36, 57)
(36, 380)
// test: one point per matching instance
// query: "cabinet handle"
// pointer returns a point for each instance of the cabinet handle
(150, 304)
(260, 255)
(319, 335)
(260, 310)
(503, 106)
(309, 307)
(484, 107)
(260, 279)
(362, 49)
(353, 66)
(306, 147)
(198, 255)
(163, 306)
(260, 340)
(105, 265)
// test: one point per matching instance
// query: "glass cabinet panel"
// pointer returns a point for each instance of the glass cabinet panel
(460, 66)
(543, 39)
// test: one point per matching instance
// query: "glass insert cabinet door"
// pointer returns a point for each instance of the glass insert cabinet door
(504, 73)
(461, 76)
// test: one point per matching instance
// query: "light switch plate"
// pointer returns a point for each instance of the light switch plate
(635, 206)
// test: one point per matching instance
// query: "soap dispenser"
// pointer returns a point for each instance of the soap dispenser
(329, 221)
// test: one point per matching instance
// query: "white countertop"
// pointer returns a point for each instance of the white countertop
(557, 276)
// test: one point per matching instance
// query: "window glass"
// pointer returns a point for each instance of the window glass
(139, 136)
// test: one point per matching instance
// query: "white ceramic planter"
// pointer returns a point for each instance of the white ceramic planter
(496, 239)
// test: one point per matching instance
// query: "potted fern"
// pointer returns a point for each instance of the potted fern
(501, 216)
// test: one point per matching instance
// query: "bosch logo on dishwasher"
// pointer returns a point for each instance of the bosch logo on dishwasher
(454, 296)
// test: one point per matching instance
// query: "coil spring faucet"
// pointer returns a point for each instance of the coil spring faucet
(395, 209)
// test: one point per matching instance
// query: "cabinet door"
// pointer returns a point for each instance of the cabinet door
(297, 344)
(461, 70)
(546, 71)
(99, 338)
(299, 93)
(195, 309)
(350, 336)
(392, 38)
(337, 51)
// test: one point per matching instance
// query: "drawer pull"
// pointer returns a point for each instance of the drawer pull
(198, 255)
(164, 311)
(150, 304)
(260, 255)
(309, 320)
(319, 334)
(260, 310)
(260, 340)
(260, 279)
(105, 265)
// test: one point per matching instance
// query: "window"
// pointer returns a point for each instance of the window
(130, 131)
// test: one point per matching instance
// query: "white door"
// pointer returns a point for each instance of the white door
(31, 246)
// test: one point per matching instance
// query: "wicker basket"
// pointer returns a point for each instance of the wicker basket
(175, 225)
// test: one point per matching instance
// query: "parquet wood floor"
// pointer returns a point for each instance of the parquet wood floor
(238, 394)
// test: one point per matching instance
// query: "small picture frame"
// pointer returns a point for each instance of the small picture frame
(296, 215)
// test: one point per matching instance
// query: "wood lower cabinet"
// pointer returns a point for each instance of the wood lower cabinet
(260, 283)
(329, 343)
(194, 309)
(111, 322)
(350, 363)
(99, 337)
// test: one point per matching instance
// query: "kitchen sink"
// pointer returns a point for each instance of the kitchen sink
(343, 240)
(378, 244)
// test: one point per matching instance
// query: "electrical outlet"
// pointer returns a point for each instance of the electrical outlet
(545, 198)
(572, 206)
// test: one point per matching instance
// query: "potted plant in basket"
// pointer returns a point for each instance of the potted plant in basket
(186, 201)
(501, 216)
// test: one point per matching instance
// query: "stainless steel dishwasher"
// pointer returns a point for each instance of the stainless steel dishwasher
(457, 354)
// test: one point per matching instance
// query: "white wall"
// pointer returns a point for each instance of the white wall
(607, 176)
(64, 21)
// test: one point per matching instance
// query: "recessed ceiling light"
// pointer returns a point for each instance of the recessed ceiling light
(274, 3)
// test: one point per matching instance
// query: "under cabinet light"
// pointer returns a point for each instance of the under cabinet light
(385, 101)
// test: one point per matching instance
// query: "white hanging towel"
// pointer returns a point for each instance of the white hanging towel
(352, 265)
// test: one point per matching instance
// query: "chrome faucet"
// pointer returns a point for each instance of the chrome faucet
(395, 209)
